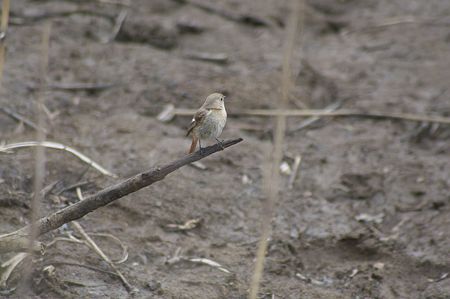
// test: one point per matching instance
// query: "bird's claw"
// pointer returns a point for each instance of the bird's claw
(220, 143)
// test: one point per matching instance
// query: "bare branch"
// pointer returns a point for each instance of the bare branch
(15, 240)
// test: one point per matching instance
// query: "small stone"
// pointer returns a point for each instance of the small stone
(285, 168)
(153, 285)
(307, 194)
(363, 217)
(294, 233)
(379, 266)
(246, 180)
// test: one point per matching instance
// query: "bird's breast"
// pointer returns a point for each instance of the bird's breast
(213, 124)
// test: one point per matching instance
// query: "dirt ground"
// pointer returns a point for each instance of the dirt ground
(370, 55)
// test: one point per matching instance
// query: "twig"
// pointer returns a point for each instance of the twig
(121, 3)
(81, 86)
(309, 121)
(47, 189)
(442, 277)
(189, 26)
(117, 26)
(12, 241)
(240, 18)
(21, 118)
(54, 145)
(73, 186)
(319, 112)
(400, 20)
(82, 266)
(23, 19)
(219, 58)
(297, 161)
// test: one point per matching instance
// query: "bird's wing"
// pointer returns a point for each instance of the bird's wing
(199, 117)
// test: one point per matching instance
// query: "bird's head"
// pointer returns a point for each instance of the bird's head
(215, 101)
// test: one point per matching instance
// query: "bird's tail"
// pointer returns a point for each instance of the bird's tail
(193, 144)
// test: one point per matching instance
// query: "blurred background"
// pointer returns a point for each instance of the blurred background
(364, 206)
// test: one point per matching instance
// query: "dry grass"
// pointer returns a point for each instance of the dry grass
(273, 161)
(39, 166)
(5, 18)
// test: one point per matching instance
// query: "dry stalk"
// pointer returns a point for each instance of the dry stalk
(5, 19)
(21, 118)
(39, 167)
(272, 179)
(295, 169)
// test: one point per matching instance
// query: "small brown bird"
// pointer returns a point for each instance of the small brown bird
(208, 121)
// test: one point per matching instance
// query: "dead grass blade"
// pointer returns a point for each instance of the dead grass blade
(177, 257)
(124, 247)
(209, 263)
(55, 145)
(295, 170)
(100, 252)
(91, 244)
(9, 266)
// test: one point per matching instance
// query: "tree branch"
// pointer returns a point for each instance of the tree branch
(16, 241)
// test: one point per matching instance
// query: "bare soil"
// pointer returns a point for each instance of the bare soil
(371, 55)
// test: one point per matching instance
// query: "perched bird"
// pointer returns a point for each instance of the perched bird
(208, 121)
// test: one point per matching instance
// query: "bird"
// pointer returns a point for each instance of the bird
(208, 121)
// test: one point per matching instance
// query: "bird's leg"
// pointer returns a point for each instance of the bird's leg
(200, 145)
(220, 143)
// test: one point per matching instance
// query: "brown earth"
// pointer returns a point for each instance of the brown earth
(369, 55)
